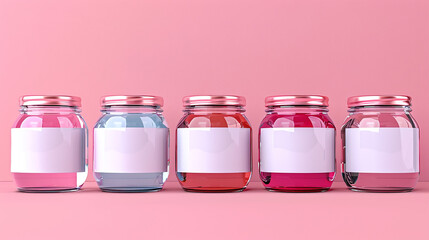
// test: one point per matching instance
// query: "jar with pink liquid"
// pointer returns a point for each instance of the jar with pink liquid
(49, 144)
(380, 144)
(297, 144)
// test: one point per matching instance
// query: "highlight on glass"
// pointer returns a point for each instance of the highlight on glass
(131, 144)
(297, 144)
(380, 141)
(213, 147)
(49, 144)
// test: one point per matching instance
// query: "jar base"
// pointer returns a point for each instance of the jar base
(47, 190)
(298, 190)
(382, 190)
(380, 182)
(213, 190)
(130, 190)
(130, 182)
(297, 182)
(49, 182)
(213, 182)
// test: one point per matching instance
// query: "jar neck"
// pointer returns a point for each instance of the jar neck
(130, 109)
(380, 109)
(296, 109)
(36, 110)
(214, 109)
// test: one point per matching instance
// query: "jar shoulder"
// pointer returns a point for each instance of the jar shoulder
(380, 120)
(141, 120)
(214, 120)
(303, 120)
(49, 121)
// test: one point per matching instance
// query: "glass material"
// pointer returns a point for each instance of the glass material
(297, 117)
(51, 117)
(213, 117)
(378, 117)
(131, 117)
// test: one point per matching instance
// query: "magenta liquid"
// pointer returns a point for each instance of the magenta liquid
(51, 118)
(304, 118)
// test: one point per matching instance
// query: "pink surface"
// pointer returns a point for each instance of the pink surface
(253, 214)
(255, 48)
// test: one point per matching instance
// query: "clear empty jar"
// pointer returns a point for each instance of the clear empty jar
(380, 144)
(213, 147)
(131, 144)
(297, 144)
(49, 144)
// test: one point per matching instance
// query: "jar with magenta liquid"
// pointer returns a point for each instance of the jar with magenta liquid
(297, 144)
(380, 144)
(213, 144)
(49, 144)
(131, 144)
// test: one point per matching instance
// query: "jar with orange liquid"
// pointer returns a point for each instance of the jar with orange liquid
(213, 144)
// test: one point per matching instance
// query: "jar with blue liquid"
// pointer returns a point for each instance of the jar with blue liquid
(131, 144)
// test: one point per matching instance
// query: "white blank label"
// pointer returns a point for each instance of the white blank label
(48, 150)
(297, 150)
(130, 150)
(213, 150)
(382, 150)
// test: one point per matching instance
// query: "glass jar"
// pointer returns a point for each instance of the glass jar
(49, 144)
(213, 147)
(380, 144)
(131, 144)
(297, 144)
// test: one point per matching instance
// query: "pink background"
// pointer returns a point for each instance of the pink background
(337, 48)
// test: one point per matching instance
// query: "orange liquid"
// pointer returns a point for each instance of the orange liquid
(213, 182)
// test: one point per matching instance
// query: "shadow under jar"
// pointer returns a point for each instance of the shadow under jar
(213, 147)
(49, 144)
(297, 144)
(380, 144)
(131, 144)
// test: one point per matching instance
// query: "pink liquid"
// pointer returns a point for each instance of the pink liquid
(297, 182)
(49, 182)
(46, 181)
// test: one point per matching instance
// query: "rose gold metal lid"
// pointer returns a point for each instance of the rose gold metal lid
(133, 100)
(50, 100)
(382, 100)
(296, 100)
(214, 100)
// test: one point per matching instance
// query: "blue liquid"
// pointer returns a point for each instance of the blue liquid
(131, 182)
